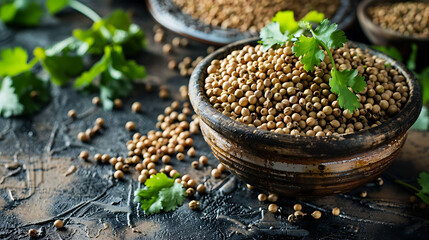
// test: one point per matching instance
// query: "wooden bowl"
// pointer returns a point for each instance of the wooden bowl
(381, 36)
(171, 17)
(297, 165)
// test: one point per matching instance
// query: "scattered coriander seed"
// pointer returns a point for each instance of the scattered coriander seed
(105, 158)
(176, 42)
(142, 178)
(297, 207)
(174, 173)
(299, 214)
(380, 181)
(201, 188)
(221, 167)
(262, 197)
(184, 42)
(192, 183)
(84, 155)
(32, 232)
(96, 100)
(70, 170)
(113, 161)
(178, 180)
(163, 93)
(250, 186)
(121, 159)
(58, 224)
(166, 159)
(81, 136)
(97, 157)
(186, 178)
(117, 103)
(191, 152)
(316, 214)
(130, 125)
(292, 218)
(72, 113)
(34, 94)
(412, 199)
(216, 173)
(168, 168)
(99, 122)
(273, 207)
(336, 211)
(166, 48)
(272, 197)
(136, 107)
(150, 165)
(118, 174)
(119, 165)
(145, 172)
(363, 194)
(126, 168)
(190, 192)
(204, 160)
(195, 164)
(158, 37)
(180, 156)
(193, 204)
(172, 64)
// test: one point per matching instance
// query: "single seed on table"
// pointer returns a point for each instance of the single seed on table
(336, 211)
(174, 173)
(299, 214)
(195, 164)
(58, 224)
(166, 159)
(81, 136)
(32, 232)
(221, 167)
(117, 103)
(190, 192)
(163, 93)
(130, 125)
(316, 214)
(262, 197)
(96, 101)
(121, 159)
(97, 157)
(272, 197)
(126, 168)
(363, 194)
(119, 165)
(113, 161)
(166, 48)
(70, 170)
(136, 107)
(184, 42)
(105, 158)
(150, 165)
(172, 64)
(178, 180)
(204, 160)
(193, 204)
(84, 155)
(139, 167)
(145, 172)
(186, 178)
(142, 178)
(380, 181)
(72, 113)
(273, 207)
(180, 156)
(191, 152)
(412, 199)
(168, 168)
(216, 173)
(297, 207)
(201, 188)
(292, 218)
(175, 42)
(192, 183)
(118, 174)
(99, 122)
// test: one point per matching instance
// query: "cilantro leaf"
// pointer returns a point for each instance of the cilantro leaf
(55, 6)
(286, 21)
(21, 13)
(9, 101)
(59, 67)
(13, 61)
(310, 51)
(339, 84)
(391, 51)
(411, 63)
(271, 36)
(160, 193)
(313, 16)
(423, 180)
(330, 35)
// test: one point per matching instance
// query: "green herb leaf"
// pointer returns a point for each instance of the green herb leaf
(310, 51)
(330, 35)
(423, 180)
(21, 13)
(271, 36)
(160, 193)
(9, 101)
(391, 51)
(339, 84)
(14, 61)
(55, 6)
(313, 16)
(411, 63)
(286, 20)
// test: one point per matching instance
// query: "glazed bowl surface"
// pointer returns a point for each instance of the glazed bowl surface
(297, 165)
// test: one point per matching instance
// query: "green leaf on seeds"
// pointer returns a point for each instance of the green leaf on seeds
(330, 35)
(271, 36)
(14, 61)
(310, 51)
(160, 193)
(55, 6)
(339, 84)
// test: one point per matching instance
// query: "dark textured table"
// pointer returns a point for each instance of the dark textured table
(94, 205)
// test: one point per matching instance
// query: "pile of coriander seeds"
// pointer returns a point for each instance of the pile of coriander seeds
(407, 18)
(251, 15)
(272, 91)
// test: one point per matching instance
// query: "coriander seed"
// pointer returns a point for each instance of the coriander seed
(72, 113)
(201, 188)
(136, 107)
(297, 207)
(216, 173)
(96, 100)
(204, 160)
(84, 155)
(272, 197)
(316, 214)
(193, 204)
(336, 211)
(118, 174)
(195, 164)
(130, 125)
(273, 207)
(58, 224)
(262, 197)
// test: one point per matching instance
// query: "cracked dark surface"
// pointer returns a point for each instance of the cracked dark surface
(93, 204)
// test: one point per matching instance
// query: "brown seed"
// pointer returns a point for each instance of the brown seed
(172, 64)
(184, 42)
(174, 173)
(262, 197)
(72, 113)
(204, 160)
(70, 170)
(175, 42)
(166, 159)
(99, 122)
(145, 172)
(216, 173)
(130, 125)
(297, 207)
(336, 211)
(273, 207)
(96, 100)
(126, 168)
(250, 186)
(221, 167)
(316, 214)
(190, 192)
(186, 178)
(32, 233)
(195, 164)
(113, 161)
(180, 156)
(105, 158)
(119, 165)
(142, 178)
(192, 183)
(412, 199)
(272, 197)
(163, 93)
(166, 48)
(380, 181)
(136, 107)
(118, 174)
(117, 103)
(201, 188)
(363, 194)
(97, 157)
(299, 214)
(191, 152)
(81, 136)
(292, 218)
(84, 155)
(58, 224)
(193, 204)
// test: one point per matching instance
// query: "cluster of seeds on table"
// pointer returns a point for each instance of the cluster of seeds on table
(90, 132)
(407, 18)
(251, 15)
(271, 91)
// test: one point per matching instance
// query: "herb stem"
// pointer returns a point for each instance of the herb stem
(85, 10)
(406, 185)
(325, 47)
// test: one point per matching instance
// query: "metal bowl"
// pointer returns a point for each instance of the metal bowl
(296, 165)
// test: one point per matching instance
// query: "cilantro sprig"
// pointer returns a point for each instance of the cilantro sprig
(160, 193)
(423, 192)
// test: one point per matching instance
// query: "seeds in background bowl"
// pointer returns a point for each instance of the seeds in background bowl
(407, 18)
(271, 91)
